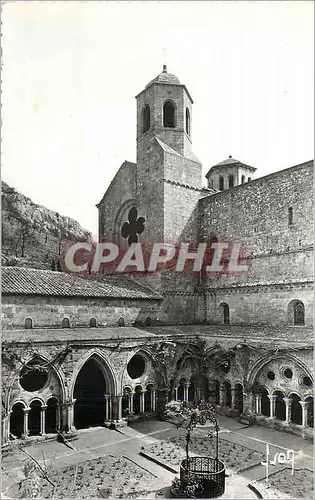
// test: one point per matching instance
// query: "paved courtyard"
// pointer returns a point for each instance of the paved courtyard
(140, 461)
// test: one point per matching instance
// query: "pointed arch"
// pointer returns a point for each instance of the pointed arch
(105, 366)
(52, 371)
(260, 363)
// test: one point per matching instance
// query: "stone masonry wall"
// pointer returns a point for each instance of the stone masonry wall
(50, 311)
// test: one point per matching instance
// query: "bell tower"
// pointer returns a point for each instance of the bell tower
(169, 175)
(164, 110)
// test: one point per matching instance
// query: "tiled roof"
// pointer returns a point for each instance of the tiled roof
(231, 161)
(257, 336)
(252, 333)
(165, 77)
(76, 334)
(26, 281)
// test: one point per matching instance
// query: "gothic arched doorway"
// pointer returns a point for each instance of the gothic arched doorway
(89, 393)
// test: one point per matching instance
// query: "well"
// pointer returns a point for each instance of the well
(208, 472)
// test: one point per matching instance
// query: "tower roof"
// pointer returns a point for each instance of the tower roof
(231, 161)
(165, 77)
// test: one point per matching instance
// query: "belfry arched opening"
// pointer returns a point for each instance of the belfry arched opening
(89, 393)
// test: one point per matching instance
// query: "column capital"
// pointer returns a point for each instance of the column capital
(273, 397)
(43, 407)
(304, 403)
(287, 401)
(26, 410)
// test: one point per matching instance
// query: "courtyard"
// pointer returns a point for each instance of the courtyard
(141, 462)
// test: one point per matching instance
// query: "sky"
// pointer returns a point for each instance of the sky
(71, 71)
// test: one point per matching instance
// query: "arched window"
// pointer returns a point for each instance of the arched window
(231, 180)
(225, 313)
(243, 179)
(28, 323)
(148, 321)
(146, 118)
(221, 183)
(187, 121)
(249, 179)
(121, 322)
(93, 323)
(65, 323)
(299, 314)
(296, 313)
(169, 114)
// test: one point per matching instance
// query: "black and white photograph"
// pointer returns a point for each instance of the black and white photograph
(157, 249)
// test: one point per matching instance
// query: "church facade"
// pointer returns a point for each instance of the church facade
(95, 350)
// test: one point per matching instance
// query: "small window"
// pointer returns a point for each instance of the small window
(288, 373)
(121, 322)
(148, 321)
(249, 179)
(290, 216)
(225, 312)
(169, 114)
(221, 183)
(243, 179)
(146, 118)
(271, 375)
(299, 314)
(93, 323)
(231, 181)
(307, 381)
(28, 323)
(65, 323)
(187, 122)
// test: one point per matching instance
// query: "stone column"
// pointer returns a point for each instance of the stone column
(272, 401)
(42, 420)
(110, 407)
(232, 398)
(58, 417)
(222, 395)
(119, 406)
(5, 434)
(71, 414)
(142, 407)
(176, 393)
(304, 413)
(25, 423)
(258, 404)
(186, 387)
(131, 402)
(153, 400)
(106, 407)
(288, 403)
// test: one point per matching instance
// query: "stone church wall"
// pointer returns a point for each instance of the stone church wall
(50, 311)
(256, 213)
(120, 191)
(266, 305)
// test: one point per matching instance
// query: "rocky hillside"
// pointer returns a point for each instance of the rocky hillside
(34, 236)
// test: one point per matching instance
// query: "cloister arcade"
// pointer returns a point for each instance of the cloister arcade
(42, 403)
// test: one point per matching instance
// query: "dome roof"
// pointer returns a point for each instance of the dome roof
(165, 77)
